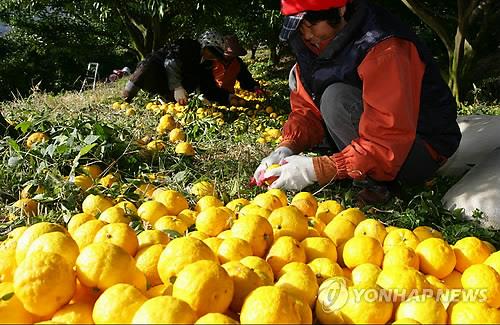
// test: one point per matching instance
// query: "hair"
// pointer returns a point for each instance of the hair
(332, 15)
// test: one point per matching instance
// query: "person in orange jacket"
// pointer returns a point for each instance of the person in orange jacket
(365, 85)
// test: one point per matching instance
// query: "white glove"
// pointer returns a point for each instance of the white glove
(294, 174)
(274, 158)
(180, 95)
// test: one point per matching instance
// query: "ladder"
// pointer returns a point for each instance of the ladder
(91, 76)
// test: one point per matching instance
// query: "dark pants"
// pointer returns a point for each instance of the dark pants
(341, 108)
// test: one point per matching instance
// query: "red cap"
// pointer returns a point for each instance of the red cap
(292, 7)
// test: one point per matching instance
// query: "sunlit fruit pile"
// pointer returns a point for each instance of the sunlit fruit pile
(258, 261)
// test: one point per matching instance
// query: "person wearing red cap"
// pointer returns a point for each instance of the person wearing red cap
(365, 86)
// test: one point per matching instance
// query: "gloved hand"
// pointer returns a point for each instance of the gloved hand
(180, 95)
(275, 157)
(295, 173)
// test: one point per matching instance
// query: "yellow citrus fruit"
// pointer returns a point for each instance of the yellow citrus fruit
(339, 231)
(273, 305)
(213, 220)
(188, 216)
(128, 207)
(327, 210)
(245, 281)
(151, 211)
(180, 252)
(305, 206)
(167, 123)
(159, 290)
(424, 232)
(97, 266)
(371, 228)
(424, 309)
(402, 282)
(174, 201)
(118, 304)
(267, 201)
(280, 194)
(85, 294)
(35, 138)
(402, 256)
(205, 286)
(285, 249)
(253, 209)
(332, 295)
(164, 310)
(400, 236)
(454, 280)
(308, 197)
(260, 267)
(237, 204)
(366, 307)
(436, 257)
(58, 243)
(44, 283)
(167, 223)
(77, 220)
(146, 260)
(176, 135)
(16, 233)
(114, 215)
(31, 234)
(324, 268)
(316, 247)
(109, 179)
(353, 215)
(85, 234)
(202, 188)
(11, 308)
(494, 261)
(490, 246)
(213, 243)
(365, 275)
(184, 148)
(317, 224)
(27, 207)
(256, 230)
(206, 202)
(472, 312)
(312, 232)
(482, 276)
(152, 237)
(76, 313)
(198, 234)
(8, 258)
(215, 318)
(233, 249)
(288, 221)
(119, 234)
(94, 171)
(359, 250)
(469, 251)
(96, 204)
(299, 280)
(145, 190)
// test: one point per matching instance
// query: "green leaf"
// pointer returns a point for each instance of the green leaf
(7, 296)
(86, 149)
(13, 144)
(24, 126)
(91, 138)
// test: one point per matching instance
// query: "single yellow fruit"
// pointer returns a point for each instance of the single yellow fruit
(288, 221)
(402, 282)
(272, 305)
(366, 307)
(260, 267)
(256, 230)
(77, 220)
(305, 206)
(188, 216)
(85, 234)
(327, 210)
(353, 215)
(494, 261)
(205, 286)
(174, 201)
(167, 223)
(436, 257)
(35, 138)
(184, 148)
(31, 234)
(159, 290)
(114, 215)
(472, 312)
(280, 194)
(424, 232)
(316, 247)
(308, 197)
(44, 283)
(118, 304)
(206, 202)
(58, 243)
(11, 308)
(109, 179)
(400, 236)
(371, 228)
(167, 123)
(119, 234)
(128, 207)
(424, 309)
(156, 145)
(8, 258)
(213, 220)
(267, 201)
(237, 204)
(365, 275)
(332, 296)
(482, 276)
(180, 252)
(339, 230)
(164, 310)
(203, 188)
(253, 209)
(96, 204)
(94, 171)
(245, 281)
(285, 249)
(97, 266)
(233, 249)
(401, 256)
(215, 318)
(151, 211)
(152, 237)
(359, 250)
(176, 135)
(469, 251)
(325, 268)
(75, 313)
(299, 280)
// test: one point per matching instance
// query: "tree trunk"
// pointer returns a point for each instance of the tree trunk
(273, 55)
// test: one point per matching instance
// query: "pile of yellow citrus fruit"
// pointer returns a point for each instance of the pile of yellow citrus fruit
(259, 261)
(270, 135)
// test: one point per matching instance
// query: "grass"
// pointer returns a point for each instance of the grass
(83, 129)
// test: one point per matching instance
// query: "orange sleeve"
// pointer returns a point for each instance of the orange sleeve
(392, 74)
(304, 127)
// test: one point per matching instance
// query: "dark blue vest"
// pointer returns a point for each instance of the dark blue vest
(368, 25)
